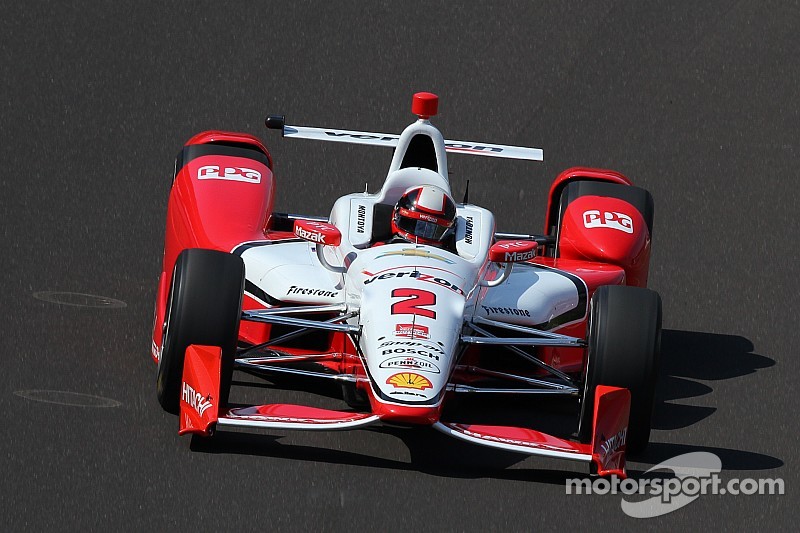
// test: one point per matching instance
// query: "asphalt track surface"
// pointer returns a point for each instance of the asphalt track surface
(696, 102)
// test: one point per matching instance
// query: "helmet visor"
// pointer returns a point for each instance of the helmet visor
(421, 228)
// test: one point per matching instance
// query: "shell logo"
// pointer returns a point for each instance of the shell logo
(409, 380)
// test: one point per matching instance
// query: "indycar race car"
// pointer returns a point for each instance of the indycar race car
(403, 325)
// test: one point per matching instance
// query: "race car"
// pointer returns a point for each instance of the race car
(406, 298)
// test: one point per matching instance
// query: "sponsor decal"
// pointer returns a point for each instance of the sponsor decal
(411, 363)
(412, 331)
(608, 219)
(520, 256)
(429, 218)
(361, 218)
(313, 236)
(417, 252)
(468, 232)
(609, 446)
(425, 349)
(428, 278)
(406, 393)
(362, 136)
(311, 292)
(195, 400)
(409, 380)
(473, 148)
(505, 311)
(512, 255)
(215, 172)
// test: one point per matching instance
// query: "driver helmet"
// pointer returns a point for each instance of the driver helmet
(425, 214)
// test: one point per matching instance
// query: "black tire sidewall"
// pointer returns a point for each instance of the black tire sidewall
(204, 307)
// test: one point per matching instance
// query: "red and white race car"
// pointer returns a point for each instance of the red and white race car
(403, 325)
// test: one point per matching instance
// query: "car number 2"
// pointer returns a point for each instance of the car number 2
(414, 302)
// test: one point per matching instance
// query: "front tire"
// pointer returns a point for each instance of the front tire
(624, 337)
(204, 307)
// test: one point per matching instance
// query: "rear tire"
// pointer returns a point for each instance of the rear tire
(624, 337)
(204, 307)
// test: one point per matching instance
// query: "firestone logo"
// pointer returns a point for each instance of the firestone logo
(608, 219)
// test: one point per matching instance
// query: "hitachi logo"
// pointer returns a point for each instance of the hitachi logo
(361, 218)
(468, 232)
(613, 444)
(195, 399)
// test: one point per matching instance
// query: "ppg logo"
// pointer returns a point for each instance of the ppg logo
(214, 172)
(607, 219)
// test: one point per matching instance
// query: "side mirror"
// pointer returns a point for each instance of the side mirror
(512, 251)
(322, 234)
(318, 232)
(508, 253)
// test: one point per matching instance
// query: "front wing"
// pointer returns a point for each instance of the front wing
(201, 413)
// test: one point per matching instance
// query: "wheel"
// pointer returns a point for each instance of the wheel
(624, 337)
(204, 307)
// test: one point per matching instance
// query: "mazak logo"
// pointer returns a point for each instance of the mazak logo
(215, 172)
(412, 331)
(468, 230)
(515, 257)
(195, 400)
(608, 219)
(361, 218)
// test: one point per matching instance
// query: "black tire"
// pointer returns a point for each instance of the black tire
(204, 307)
(639, 198)
(624, 337)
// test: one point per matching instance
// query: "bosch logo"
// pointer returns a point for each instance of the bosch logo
(215, 172)
(608, 219)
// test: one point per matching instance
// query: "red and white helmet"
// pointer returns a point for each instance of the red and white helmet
(425, 213)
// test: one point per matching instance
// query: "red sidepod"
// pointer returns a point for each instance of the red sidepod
(607, 230)
(222, 195)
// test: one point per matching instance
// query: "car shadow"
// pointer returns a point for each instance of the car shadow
(686, 357)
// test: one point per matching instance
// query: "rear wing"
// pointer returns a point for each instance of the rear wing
(277, 122)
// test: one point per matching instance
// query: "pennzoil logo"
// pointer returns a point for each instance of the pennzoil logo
(410, 363)
(409, 380)
(216, 172)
